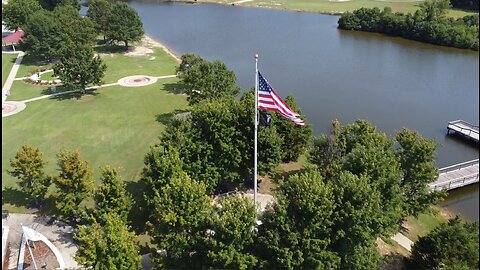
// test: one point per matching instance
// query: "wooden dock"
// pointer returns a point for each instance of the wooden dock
(456, 176)
(463, 128)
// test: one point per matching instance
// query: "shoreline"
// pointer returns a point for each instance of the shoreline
(149, 40)
(253, 5)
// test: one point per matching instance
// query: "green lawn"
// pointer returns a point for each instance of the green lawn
(7, 64)
(115, 126)
(48, 76)
(157, 63)
(423, 224)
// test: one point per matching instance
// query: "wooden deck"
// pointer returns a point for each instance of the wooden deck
(456, 176)
(463, 128)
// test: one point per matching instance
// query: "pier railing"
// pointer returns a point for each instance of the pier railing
(458, 166)
(464, 181)
(464, 126)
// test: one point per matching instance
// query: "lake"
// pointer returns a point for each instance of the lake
(335, 74)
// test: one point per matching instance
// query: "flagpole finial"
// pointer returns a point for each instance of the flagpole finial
(256, 56)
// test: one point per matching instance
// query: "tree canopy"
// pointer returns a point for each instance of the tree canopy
(111, 195)
(451, 245)
(74, 184)
(428, 24)
(107, 246)
(15, 13)
(28, 167)
(181, 209)
(78, 67)
(124, 24)
(50, 32)
(207, 80)
(99, 11)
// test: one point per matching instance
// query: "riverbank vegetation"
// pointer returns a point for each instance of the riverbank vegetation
(429, 24)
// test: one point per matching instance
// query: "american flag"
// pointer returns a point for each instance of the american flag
(269, 100)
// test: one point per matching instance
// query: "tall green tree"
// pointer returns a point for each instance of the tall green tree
(162, 163)
(48, 33)
(434, 9)
(74, 184)
(296, 233)
(107, 246)
(182, 209)
(188, 61)
(417, 159)
(295, 138)
(111, 195)
(209, 80)
(99, 12)
(359, 149)
(78, 67)
(231, 241)
(356, 221)
(15, 13)
(28, 167)
(124, 24)
(452, 245)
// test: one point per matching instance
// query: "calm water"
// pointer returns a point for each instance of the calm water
(334, 74)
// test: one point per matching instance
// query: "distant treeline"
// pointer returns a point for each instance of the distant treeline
(427, 25)
(465, 4)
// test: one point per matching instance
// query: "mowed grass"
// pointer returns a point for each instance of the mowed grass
(7, 63)
(423, 224)
(115, 127)
(325, 6)
(157, 63)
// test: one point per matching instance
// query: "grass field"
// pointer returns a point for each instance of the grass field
(334, 7)
(7, 64)
(115, 126)
(423, 224)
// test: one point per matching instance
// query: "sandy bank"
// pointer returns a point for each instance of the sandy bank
(152, 42)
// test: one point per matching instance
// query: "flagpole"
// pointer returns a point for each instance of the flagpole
(255, 139)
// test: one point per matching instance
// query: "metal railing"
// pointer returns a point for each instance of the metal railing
(469, 179)
(470, 127)
(458, 166)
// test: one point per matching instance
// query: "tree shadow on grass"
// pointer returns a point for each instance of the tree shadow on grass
(138, 214)
(34, 61)
(394, 261)
(15, 197)
(111, 48)
(175, 88)
(75, 95)
(168, 118)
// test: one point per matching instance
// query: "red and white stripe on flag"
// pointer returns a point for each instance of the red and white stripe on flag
(269, 100)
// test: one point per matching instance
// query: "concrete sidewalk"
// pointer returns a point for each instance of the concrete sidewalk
(403, 241)
(8, 83)
(59, 233)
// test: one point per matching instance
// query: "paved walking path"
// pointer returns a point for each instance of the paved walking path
(403, 241)
(18, 106)
(8, 83)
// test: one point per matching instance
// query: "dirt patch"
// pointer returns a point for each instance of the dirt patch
(443, 212)
(139, 51)
(44, 257)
